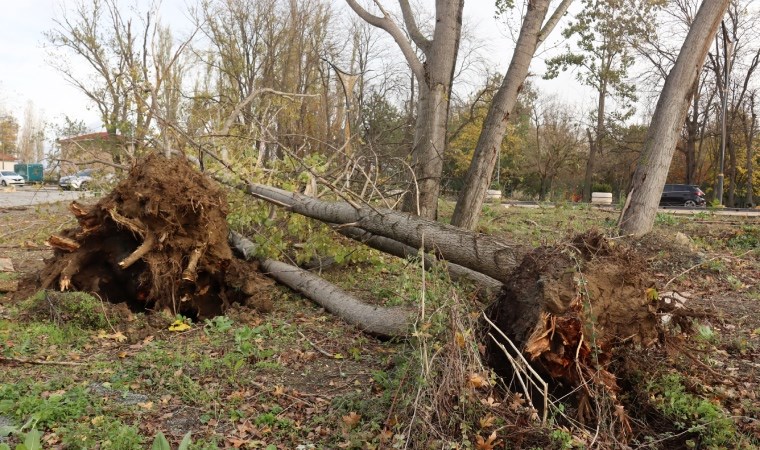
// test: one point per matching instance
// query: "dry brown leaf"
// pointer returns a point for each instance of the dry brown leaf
(459, 339)
(487, 421)
(477, 381)
(237, 443)
(118, 336)
(146, 405)
(351, 419)
(486, 444)
(517, 402)
(278, 390)
(490, 402)
(385, 435)
(244, 428)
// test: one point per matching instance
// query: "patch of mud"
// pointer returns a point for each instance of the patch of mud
(157, 241)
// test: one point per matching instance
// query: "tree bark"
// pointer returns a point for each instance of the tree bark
(434, 78)
(401, 250)
(595, 144)
(478, 177)
(750, 123)
(375, 320)
(637, 217)
(731, 170)
(481, 253)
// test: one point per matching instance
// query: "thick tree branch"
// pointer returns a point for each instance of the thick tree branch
(390, 27)
(411, 26)
(375, 320)
(553, 21)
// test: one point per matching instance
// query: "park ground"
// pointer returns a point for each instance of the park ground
(90, 374)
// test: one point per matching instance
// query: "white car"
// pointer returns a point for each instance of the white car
(8, 178)
(79, 181)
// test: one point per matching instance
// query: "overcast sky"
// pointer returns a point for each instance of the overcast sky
(26, 75)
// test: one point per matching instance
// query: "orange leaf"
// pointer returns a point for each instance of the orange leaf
(385, 435)
(487, 421)
(351, 419)
(459, 338)
(477, 381)
(486, 444)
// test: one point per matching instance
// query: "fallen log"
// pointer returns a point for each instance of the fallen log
(375, 320)
(401, 250)
(481, 253)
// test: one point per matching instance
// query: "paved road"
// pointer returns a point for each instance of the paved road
(34, 195)
(678, 210)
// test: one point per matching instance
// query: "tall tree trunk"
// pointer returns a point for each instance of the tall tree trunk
(692, 135)
(434, 78)
(638, 214)
(433, 110)
(596, 144)
(749, 136)
(478, 177)
(427, 153)
(731, 170)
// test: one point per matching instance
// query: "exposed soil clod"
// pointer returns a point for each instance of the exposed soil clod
(570, 308)
(157, 241)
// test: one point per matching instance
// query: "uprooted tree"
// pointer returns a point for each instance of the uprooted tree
(160, 240)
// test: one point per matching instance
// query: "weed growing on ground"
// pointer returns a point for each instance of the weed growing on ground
(709, 424)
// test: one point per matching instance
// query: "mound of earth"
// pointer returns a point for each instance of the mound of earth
(569, 308)
(157, 241)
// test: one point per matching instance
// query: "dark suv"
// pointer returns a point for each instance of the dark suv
(682, 195)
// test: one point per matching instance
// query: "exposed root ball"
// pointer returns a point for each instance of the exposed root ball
(569, 309)
(159, 241)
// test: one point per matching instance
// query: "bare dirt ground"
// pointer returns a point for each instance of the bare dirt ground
(96, 375)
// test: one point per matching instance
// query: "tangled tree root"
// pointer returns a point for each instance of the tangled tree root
(570, 310)
(157, 241)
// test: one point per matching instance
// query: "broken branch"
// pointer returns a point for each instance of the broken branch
(141, 251)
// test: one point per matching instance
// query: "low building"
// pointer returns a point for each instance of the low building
(96, 150)
(7, 162)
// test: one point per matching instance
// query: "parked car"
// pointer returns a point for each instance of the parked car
(682, 195)
(8, 178)
(80, 181)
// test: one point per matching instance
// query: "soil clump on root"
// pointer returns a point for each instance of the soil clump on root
(158, 241)
(570, 309)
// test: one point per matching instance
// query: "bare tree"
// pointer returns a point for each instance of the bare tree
(434, 79)
(735, 70)
(558, 140)
(749, 126)
(532, 33)
(31, 137)
(128, 61)
(637, 217)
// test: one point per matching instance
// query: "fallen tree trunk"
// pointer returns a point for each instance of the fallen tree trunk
(375, 320)
(401, 250)
(484, 254)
